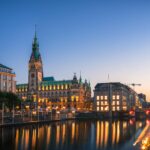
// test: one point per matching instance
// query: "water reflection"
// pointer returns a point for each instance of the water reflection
(73, 135)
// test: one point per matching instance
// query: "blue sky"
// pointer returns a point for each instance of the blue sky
(95, 37)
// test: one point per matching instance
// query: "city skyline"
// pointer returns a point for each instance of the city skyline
(95, 38)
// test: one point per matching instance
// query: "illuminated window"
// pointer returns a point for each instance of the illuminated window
(77, 98)
(66, 86)
(106, 97)
(50, 87)
(118, 97)
(62, 87)
(113, 102)
(61, 99)
(102, 102)
(102, 97)
(97, 97)
(118, 102)
(97, 108)
(54, 87)
(97, 103)
(113, 108)
(57, 87)
(72, 98)
(65, 99)
(118, 108)
(113, 97)
(102, 108)
(124, 107)
(43, 88)
(106, 108)
(106, 103)
(46, 87)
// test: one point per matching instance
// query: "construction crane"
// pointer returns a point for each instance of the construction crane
(134, 84)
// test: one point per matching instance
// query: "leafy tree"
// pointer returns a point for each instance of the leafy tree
(9, 99)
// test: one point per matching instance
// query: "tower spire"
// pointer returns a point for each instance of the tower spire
(80, 79)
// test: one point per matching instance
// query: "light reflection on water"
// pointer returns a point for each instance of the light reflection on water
(73, 135)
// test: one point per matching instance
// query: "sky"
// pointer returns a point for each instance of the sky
(94, 37)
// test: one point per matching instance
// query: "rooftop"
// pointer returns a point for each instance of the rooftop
(3, 66)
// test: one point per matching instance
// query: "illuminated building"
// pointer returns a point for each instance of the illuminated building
(115, 96)
(49, 92)
(7, 79)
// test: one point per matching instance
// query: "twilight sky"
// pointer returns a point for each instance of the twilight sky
(95, 37)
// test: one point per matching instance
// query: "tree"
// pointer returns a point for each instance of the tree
(9, 99)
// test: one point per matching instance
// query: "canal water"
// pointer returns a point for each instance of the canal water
(76, 135)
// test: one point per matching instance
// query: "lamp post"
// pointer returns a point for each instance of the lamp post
(13, 117)
(2, 113)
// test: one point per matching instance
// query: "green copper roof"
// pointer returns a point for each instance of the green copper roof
(21, 85)
(46, 83)
(3, 66)
(48, 79)
(35, 49)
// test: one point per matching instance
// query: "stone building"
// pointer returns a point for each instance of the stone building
(49, 92)
(115, 96)
(7, 79)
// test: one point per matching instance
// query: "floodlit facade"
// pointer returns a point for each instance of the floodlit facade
(115, 96)
(7, 79)
(49, 92)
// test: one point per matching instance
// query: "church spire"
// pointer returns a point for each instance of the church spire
(35, 47)
(80, 79)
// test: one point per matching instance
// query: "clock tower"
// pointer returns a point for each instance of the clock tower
(35, 71)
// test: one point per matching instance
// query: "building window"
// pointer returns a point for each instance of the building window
(97, 108)
(118, 108)
(113, 97)
(106, 97)
(57, 87)
(118, 102)
(66, 86)
(102, 97)
(97, 97)
(102, 108)
(124, 107)
(62, 87)
(113, 108)
(113, 102)
(106, 108)
(118, 97)
(102, 102)
(97, 103)
(106, 103)
(54, 87)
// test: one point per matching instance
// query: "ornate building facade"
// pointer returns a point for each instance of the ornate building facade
(49, 92)
(7, 79)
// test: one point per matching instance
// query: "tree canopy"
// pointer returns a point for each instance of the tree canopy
(9, 99)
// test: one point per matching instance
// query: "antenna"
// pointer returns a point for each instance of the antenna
(108, 78)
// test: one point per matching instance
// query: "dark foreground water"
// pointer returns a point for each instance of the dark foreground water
(75, 135)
